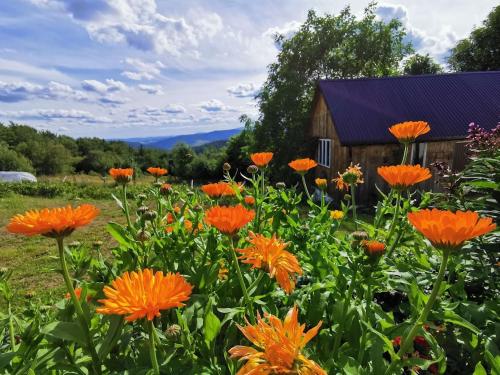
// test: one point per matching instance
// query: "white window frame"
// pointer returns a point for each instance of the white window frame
(422, 148)
(324, 154)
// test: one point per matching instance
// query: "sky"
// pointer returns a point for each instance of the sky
(142, 68)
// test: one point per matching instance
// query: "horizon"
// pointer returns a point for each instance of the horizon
(177, 69)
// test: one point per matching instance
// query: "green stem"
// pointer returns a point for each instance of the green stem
(347, 300)
(305, 186)
(125, 207)
(395, 217)
(11, 327)
(408, 340)
(78, 308)
(353, 200)
(248, 302)
(152, 348)
(368, 301)
(405, 153)
(396, 241)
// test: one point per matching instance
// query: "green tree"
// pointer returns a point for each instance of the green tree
(421, 64)
(10, 160)
(329, 46)
(481, 50)
(182, 155)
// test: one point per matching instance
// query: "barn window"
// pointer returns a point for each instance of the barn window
(324, 152)
(419, 154)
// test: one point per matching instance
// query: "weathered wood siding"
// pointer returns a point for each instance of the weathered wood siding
(370, 157)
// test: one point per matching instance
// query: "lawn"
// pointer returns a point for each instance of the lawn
(32, 258)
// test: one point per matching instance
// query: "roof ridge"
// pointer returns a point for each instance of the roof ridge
(409, 76)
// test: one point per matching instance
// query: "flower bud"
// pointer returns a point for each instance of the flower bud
(150, 215)
(158, 184)
(280, 185)
(143, 235)
(252, 169)
(141, 210)
(74, 244)
(166, 189)
(373, 249)
(347, 197)
(173, 332)
(360, 235)
(226, 167)
(141, 197)
(350, 178)
(97, 244)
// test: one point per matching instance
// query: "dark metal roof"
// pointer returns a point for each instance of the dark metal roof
(362, 109)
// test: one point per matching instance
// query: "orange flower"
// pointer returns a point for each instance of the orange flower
(78, 292)
(448, 230)
(373, 248)
(52, 222)
(156, 171)
(408, 131)
(404, 176)
(219, 189)
(249, 200)
(177, 209)
(321, 183)
(165, 189)
(230, 219)
(188, 225)
(352, 175)
(279, 346)
(261, 159)
(144, 293)
(121, 175)
(302, 165)
(270, 255)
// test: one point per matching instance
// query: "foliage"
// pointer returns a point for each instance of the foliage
(329, 46)
(480, 50)
(421, 64)
(10, 160)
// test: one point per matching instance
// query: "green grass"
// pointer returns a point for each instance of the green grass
(32, 259)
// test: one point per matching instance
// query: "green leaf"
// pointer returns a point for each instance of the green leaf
(114, 331)
(454, 318)
(65, 331)
(5, 359)
(211, 326)
(118, 202)
(479, 370)
(119, 234)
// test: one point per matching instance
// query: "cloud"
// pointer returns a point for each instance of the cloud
(243, 90)
(174, 108)
(21, 91)
(212, 105)
(54, 114)
(287, 31)
(100, 87)
(151, 89)
(112, 100)
(143, 70)
(154, 113)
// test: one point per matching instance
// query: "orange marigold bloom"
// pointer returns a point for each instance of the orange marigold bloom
(302, 165)
(230, 219)
(52, 222)
(261, 159)
(165, 189)
(449, 230)
(78, 292)
(121, 175)
(220, 189)
(157, 171)
(404, 176)
(249, 200)
(372, 247)
(144, 293)
(279, 347)
(321, 183)
(352, 175)
(408, 131)
(270, 255)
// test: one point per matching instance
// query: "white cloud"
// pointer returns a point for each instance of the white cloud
(143, 70)
(20, 91)
(100, 87)
(151, 89)
(243, 90)
(212, 105)
(112, 100)
(54, 114)
(287, 30)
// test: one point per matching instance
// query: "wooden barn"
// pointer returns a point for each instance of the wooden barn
(351, 117)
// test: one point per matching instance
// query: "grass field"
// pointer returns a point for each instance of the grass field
(32, 258)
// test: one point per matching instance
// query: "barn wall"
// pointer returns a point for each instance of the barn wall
(370, 157)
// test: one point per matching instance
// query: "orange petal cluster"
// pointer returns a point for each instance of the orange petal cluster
(270, 255)
(220, 189)
(302, 165)
(279, 347)
(144, 294)
(352, 175)
(404, 176)
(229, 219)
(52, 222)
(372, 247)
(449, 230)
(121, 175)
(261, 159)
(249, 200)
(321, 183)
(157, 171)
(408, 131)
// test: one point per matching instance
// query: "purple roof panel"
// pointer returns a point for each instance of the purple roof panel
(362, 109)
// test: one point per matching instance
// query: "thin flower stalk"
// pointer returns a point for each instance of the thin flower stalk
(395, 217)
(353, 203)
(305, 187)
(12, 336)
(248, 301)
(152, 347)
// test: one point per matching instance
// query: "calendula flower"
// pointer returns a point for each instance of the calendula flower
(223, 272)
(52, 222)
(261, 159)
(121, 175)
(403, 176)
(165, 189)
(279, 347)
(229, 219)
(301, 166)
(450, 230)
(188, 225)
(408, 131)
(321, 183)
(144, 294)
(269, 254)
(220, 189)
(157, 171)
(249, 200)
(352, 175)
(373, 248)
(336, 214)
(78, 292)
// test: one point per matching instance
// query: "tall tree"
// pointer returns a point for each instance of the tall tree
(421, 64)
(481, 50)
(329, 46)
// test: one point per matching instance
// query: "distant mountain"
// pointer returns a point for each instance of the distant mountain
(194, 140)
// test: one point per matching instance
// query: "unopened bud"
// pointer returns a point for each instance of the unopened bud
(252, 169)
(360, 235)
(74, 245)
(226, 167)
(150, 215)
(143, 235)
(142, 197)
(173, 332)
(280, 185)
(166, 189)
(141, 210)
